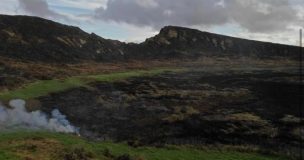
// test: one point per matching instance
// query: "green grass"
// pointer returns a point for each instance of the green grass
(10, 149)
(7, 156)
(44, 87)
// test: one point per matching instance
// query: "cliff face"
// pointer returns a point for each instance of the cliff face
(33, 38)
(183, 42)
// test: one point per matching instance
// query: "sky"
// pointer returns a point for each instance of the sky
(275, 21)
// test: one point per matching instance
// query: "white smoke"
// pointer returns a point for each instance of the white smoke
(17, 118)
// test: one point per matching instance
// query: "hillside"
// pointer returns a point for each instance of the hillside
(218, 102)
(182, 94)
(173, 41)
(33, 38)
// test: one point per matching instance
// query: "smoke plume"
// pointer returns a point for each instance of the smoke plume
(16, 118)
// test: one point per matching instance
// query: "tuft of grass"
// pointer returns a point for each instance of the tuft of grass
(44, 87)
(76, 146)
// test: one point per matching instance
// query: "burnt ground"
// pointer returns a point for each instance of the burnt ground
(205, 105)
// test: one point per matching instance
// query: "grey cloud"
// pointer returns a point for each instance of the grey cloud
(261, 15)
(254, 15)
(40, 8)
(177, 12)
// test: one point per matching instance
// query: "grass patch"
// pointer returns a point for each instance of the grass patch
(44, 87)
(57, 146)
(8, 156)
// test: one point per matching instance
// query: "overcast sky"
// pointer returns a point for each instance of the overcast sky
(135, 20)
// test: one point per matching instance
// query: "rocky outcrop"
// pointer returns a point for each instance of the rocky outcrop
(190, 43)
(33, 38)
